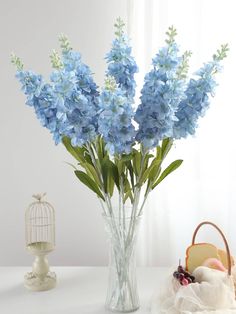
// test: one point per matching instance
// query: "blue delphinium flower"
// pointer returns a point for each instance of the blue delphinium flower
(31, 83)
(197, 99)
(46, 111)
(80, 96)
(42, 97)
(69, 105)
(115, 119)
(73, 109)
(121, 64)
(162, 91)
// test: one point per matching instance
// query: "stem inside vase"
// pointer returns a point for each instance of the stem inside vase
(122, 295)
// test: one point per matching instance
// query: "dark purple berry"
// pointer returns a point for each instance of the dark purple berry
(186, 274)
(181, 276)
(192, 278)
(180, 269)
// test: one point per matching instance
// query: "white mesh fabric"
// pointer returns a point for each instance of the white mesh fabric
(212, 293)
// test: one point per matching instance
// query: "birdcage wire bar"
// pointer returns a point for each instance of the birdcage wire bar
(40, 226)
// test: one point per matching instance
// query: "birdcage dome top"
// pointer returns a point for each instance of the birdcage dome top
(40, 208)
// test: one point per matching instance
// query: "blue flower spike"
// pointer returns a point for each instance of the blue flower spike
(115, 119)
(121, 64)
(198, 94)
(163, 89)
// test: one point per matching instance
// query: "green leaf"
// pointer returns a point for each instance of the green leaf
(74, 151)
(158, 152)
(150, 171)
(127, 190)
(129, 195)
(119, 165)
(137, 162)
(146, 161)
(156, 167)
(87, 156)
(131, 172)
(166, 146)
(105, 172)
(91, 171)
(110, 185)
(127, 157)
(73, 166)
(144, 177)
(101, 151)
(86, 180)
(114, 173)
(154, 172)
(109, 171)
(172, 167)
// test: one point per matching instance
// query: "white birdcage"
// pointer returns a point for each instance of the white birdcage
(40, 241)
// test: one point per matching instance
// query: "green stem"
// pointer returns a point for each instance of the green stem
(91, 153)
(144, 201)
(123, 210)
(137, 191)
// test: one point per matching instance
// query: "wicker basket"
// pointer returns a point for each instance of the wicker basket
(229, 262)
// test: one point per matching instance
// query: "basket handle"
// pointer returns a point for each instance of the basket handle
(224, 239)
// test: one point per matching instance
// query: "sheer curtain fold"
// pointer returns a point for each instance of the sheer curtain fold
(204, 187)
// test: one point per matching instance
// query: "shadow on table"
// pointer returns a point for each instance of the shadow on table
(14, 292)
(75, 277)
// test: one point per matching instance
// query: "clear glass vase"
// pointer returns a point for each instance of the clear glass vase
(122, 295)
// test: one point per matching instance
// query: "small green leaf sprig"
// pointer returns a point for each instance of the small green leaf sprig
(119, 26)
(16, 61)
(221, 53)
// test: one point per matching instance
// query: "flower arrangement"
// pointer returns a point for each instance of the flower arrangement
(117, 147)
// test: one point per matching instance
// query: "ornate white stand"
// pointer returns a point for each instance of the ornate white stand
(40, 279)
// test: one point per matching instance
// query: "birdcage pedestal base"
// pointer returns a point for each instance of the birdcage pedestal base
(34, 283)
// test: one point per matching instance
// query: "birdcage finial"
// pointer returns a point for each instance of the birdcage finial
(39, 197)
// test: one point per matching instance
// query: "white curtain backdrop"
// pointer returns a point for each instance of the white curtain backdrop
(203, 188)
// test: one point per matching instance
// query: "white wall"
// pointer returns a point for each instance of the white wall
(29, 161)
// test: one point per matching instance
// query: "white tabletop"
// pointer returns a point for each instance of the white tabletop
(80, 290)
